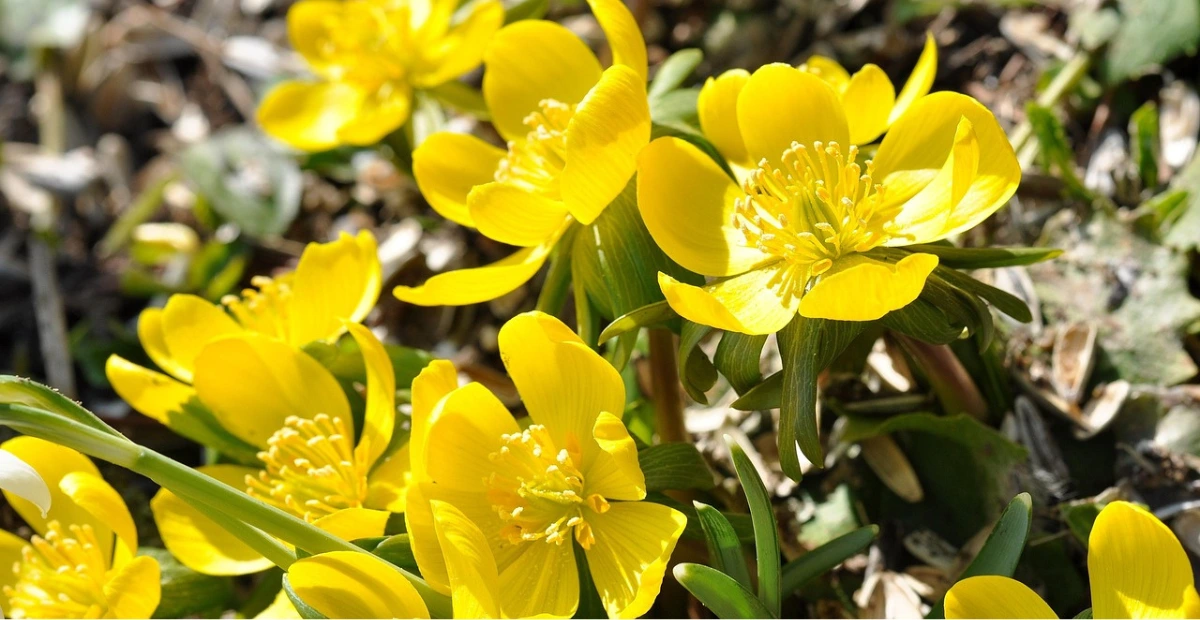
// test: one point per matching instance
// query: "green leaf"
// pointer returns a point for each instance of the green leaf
(766, 395)
(21, 391)
(1157, 216)
(462, 97)
(395, 549)
(186, 593)
(719, 592)
(1005, 302)
(674, 466)
(652, 315)
(1143, 136)
(766, 532)
(924, 321)
(427, 118)
(696, 371)
(1183, 230)
(676, 110)
(1085, 614)
(806, 347)
(1151, 33)
(344, 359)
(246, 179)
(304, 609)
(983, 258)
(738, 359)
(1055, 149)
(673, 71)
(724, 546)
(1003, 548)
(824, 558)
(525, 9)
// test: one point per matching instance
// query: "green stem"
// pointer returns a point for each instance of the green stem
(194, 486)
(1062, 84)
(558, 280)
(266, 546)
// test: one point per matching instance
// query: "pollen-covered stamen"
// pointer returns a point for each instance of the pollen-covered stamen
(311, 470)
(538, 490)
(60, 575)
(818, 205)
(263, 309)
(535, 162)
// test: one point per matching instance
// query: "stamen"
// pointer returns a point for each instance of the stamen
(60, 576)
(817, 206)
(263, 310)
(536, 162)
(310, 469)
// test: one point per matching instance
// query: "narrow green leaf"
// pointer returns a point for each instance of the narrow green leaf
(696, 371)
(1055, 149)
(304, 609)
(463, 97)
(766, 532)
(1143, 134)
(1005, 302)
(652, 315)
(766, 395)
(738, 358)
(674, 466)
(673, 71)
(806, 346)
(720, 593)
(683, 131)
(1003, 548)
(924, 321)
(824, 558)
(395, 549)
(1085, 614)
(724, 546)
(525, 9)
(984, 258)
(21, 391)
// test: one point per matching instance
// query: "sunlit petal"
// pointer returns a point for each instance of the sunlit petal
(748, 304)
(992, 596)
(919, 81)
(634, 540)
(869, 98)
(334, 282)
(858, 288)
(717, 108)
(479, 284)
(781, 104)
(448, 165)
(1138, 568)
(348, 584)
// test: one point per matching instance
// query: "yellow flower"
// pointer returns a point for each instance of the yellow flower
(794, 235)
(497, 511)
(282, 401)
(1137, 569)
(334, 282)
(368, 56)
(81, 563)
(346, 584)
(573, 133)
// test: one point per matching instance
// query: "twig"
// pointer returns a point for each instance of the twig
(664, 379)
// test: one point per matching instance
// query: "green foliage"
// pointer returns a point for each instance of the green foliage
(720, 593)
(724, 546)
(738, 360)
(825, 557)
(671, 466)
(1144, 35)
(185, 592)
(1143, 134)
(696, 371)
(672, 73)
(652, 315)
(304, 609)
(766, 532)
(984, 258)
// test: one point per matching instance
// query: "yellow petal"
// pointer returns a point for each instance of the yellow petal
(460, 49)
(348, 584)
(466, 429)
(624, 36)
(447, 165)
(858, 288)
(11, 551)
(472, 569)
(22, 480)
(355, 523)
(334, 282)
(747, 304)
(91, 493)
(150, 333)
(870, 96)
(280, 609)
(934, 210)
(379, 418)
(418, 520)
(152, 394)
(917, 146)
(198, 542)
(615, 472)
(542, 580)
(380, 113)
(189, 323)
(565, 384)
(324, 32)
(634, 540)
(992, 596)
(717, 108)
(385, 486)
(133, 590)
(919, 81)
(436, 380)
(53, 463)
(829, 70)
(609, 128)
(529, 61)
(514, 216)
(1137, 567)
(479, 284)
(253, 383)
(309, 115)
(781, 104)
(687, 202)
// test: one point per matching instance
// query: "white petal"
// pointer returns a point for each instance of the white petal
(18, 478)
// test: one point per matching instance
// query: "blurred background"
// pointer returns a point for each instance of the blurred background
(131, 169)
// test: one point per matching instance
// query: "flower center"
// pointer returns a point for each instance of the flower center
(535, 163)
(60, 576)
(538, 491)
(263, 310)
(817, 206)
(311, 470)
